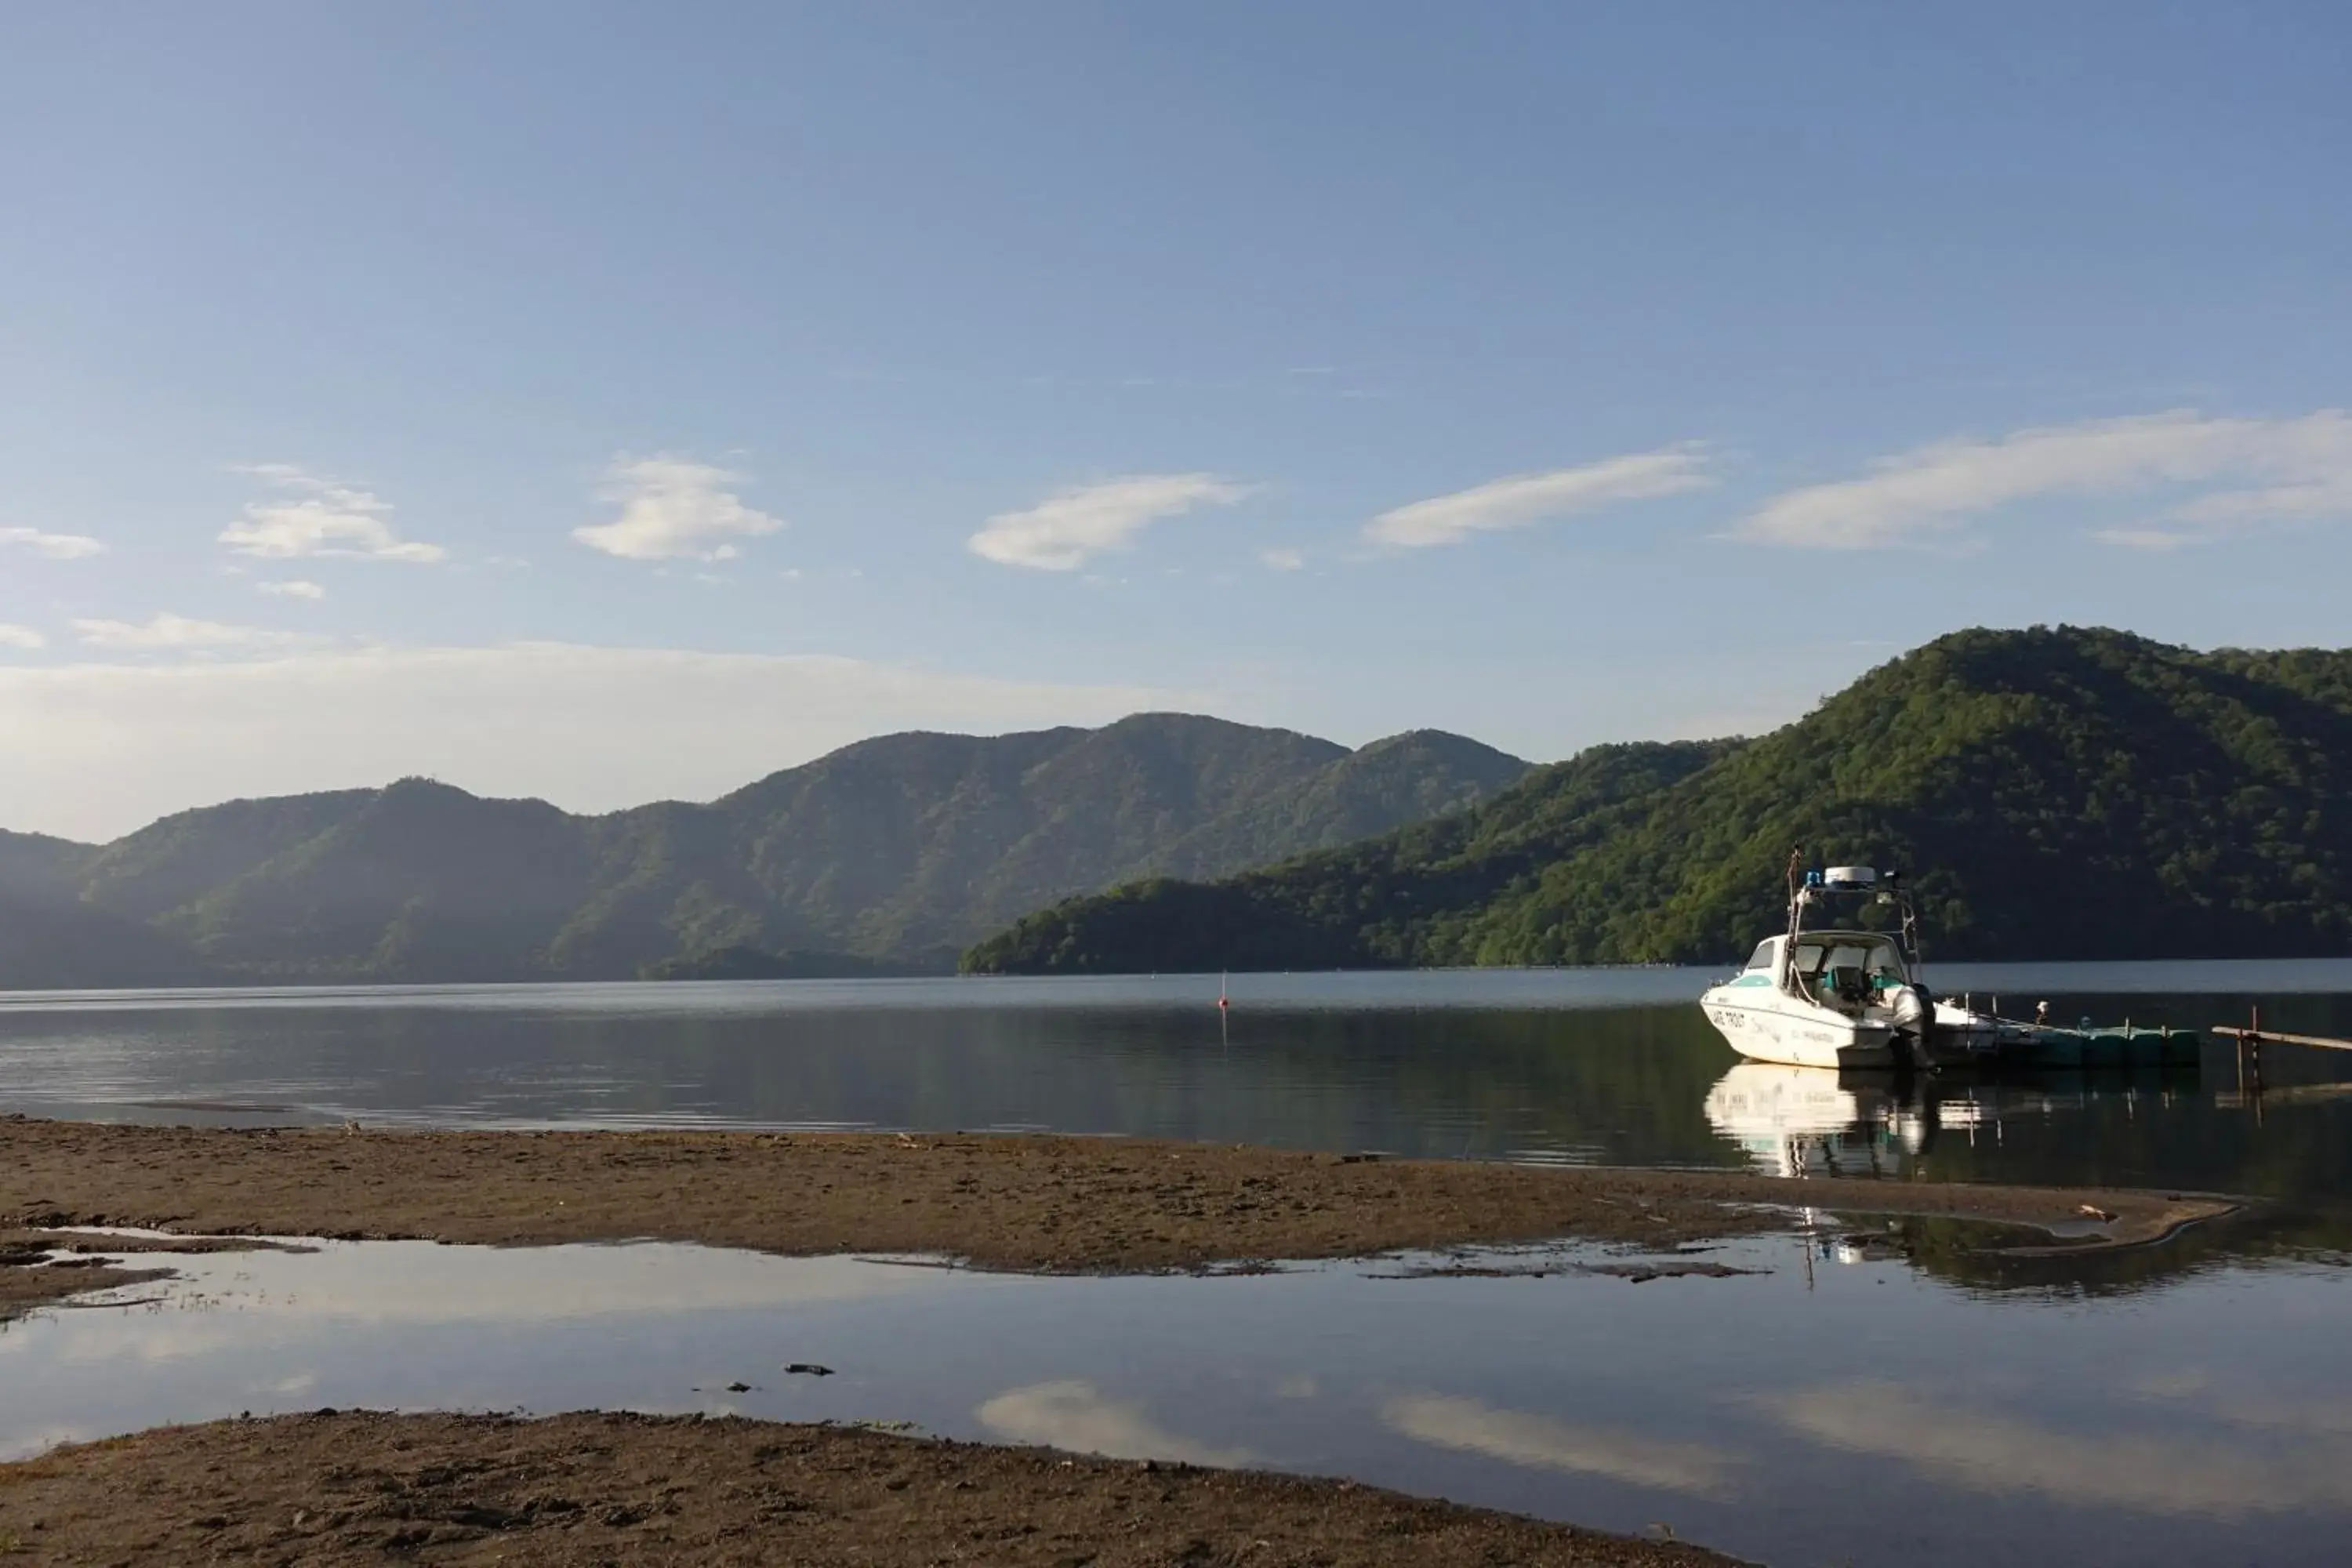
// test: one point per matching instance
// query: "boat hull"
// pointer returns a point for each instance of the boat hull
(1777, 1029)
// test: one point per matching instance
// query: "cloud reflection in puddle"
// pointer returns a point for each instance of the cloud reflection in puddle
(416, 1283)
(1538, 1442)
(1952, 1445)
(1073, 1415)
(2199, 1390)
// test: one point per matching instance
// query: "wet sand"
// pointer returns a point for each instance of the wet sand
(1029, 1203)
(599, 1488)
(28, 1280)
(38, 1267)
(594, 1488)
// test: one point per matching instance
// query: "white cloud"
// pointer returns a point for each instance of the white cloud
(51, 546)
(2264, 470)
(99, 748)
(1066, 531)
(1524, 498)
(2162, 540)
(672, 509)
(21, 637)
(1279, 559)
(1538, 1442)
(170, 631)
(296, 589)
(328, 518)
(1072, 1415)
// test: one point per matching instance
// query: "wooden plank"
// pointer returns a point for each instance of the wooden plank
(2266, 1035)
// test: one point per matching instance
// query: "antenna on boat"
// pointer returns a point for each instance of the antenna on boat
(1799, 884)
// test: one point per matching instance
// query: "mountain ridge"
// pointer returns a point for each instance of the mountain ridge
(898, 850)
(2057, 792)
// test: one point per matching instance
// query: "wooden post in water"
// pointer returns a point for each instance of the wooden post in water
(2254, 1043)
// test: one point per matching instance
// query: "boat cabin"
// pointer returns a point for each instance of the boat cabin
(1845, 970)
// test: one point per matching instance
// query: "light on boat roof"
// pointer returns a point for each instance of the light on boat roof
(1851, 877)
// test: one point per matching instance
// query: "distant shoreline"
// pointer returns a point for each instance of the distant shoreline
(2007, 970)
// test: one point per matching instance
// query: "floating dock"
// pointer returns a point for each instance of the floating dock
(2123, 1047)
(2040, 1046)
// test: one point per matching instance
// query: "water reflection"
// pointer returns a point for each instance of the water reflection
(1613, 1067)
(1072, 1413)
(1820, 1121)
(2211, 1472)
(2206, 1424)
(1543, 1442)
(1813, 1122)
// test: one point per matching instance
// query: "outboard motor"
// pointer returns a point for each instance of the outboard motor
(1914, 1020)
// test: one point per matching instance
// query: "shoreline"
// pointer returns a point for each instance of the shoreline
(1023, 1203)
(590, 1487)
(353, 1487)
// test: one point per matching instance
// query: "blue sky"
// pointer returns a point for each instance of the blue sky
(610, 402)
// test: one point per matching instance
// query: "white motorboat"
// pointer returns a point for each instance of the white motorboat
(1844, 994)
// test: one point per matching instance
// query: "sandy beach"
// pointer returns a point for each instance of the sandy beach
(1027, 1203)
(347, 1488)
(333, 1487)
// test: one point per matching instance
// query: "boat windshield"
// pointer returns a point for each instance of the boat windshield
(1848, 961)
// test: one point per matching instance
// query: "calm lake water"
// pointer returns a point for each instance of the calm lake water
(1599, 1066)
(1815, 1412)
(1850, 1402)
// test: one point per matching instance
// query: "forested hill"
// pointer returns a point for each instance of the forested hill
(898, 850)
(2053, 793)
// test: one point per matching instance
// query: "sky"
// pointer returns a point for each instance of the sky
(607, 403)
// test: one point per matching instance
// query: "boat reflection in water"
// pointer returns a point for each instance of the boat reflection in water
(1816, 1121)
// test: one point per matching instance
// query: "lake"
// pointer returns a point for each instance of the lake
(1865, 1392)
(1591, 1065)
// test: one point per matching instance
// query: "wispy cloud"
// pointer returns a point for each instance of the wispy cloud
(1538, 1442)
(1524, 498)
(1073, 1415)
(170, 631)
(21, 637)
(1066, 531)
(295, 589)
(1279, 558)
(51, 546)
(319, 516)
(674, 510)
(2263, 470)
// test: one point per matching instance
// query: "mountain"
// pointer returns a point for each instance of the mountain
(54, 942)
(1367, 905)
(893, 852)
(2054, 792)
(48, 938)
(35, 865)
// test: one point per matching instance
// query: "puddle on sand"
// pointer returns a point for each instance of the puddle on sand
(1862, 1414)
